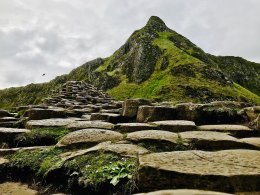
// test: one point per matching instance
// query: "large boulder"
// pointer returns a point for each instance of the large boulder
(226, 170)
(89, 137)
(130, 106)
(156, 113)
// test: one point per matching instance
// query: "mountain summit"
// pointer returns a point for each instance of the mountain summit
(157, 63)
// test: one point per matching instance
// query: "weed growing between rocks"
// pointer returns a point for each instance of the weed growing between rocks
(93, 173)
(40, 137)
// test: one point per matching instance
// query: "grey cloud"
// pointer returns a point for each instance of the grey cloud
(55, 36)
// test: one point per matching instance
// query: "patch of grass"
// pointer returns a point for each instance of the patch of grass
(40, 137)
(38, 161)
(96, 168)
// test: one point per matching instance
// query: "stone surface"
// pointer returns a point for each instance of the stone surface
(131, 127)
(89, 137)
(90, 124)
(56, 122)
(109, 117)
(4, 113)
(130, 106)
(252, 140)
(175, 125)
(210, 140)
(227, 170)
(155, 113)
(155, 140)
(235, 130)
(39, 113)
(184, 192)
(8, 134)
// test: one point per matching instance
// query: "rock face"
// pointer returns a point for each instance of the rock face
(130, 107)
(239, 170)
(8, 134)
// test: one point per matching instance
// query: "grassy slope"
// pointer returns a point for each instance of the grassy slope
(163, 85)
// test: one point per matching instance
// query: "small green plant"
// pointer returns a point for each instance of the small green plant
(180, 144)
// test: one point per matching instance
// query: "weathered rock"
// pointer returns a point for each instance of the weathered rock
(155, 140)
(235, 130)
(255, 141)
(8, 119)
(175, 125)
(4, 152)
(8, 134)
(131, 127)
(130, 106)
(89, 137)
(90, 124)
(109, 117)
(184, 192)
(255, 124)
(56, 122)
(155, 113)
(39, 113)
(4, 113)
(227, 170)
(252, 112)
(210, 140)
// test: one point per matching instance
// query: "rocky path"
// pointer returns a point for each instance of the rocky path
(81, 138)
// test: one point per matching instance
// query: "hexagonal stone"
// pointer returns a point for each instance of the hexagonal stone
(130, 106)
(226, 170)
(55, 122)
(90, 124)
(235, 130)
(154, 140)
(131, 127)
(255, 141)
(109, 117)
(8, 134)
(210, 140)
(184, 192)
(175, 125)
(89, 137)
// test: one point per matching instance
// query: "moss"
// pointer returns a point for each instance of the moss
(40, 136)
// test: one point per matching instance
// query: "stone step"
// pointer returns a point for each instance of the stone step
(55, 122)
(8, 134)
(109, 117)
(89, 137)
(90, 124)
(10, 124)
(131, 127)
(234, 130)
(184, 192)
(227, 170)
(8, 119)
(175, 125)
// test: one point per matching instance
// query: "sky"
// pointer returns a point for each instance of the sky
(52, 37)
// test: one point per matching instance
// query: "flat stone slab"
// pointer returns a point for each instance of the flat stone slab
(155, 140)
(129, 150)
(210, 140)
(8, 134)
(175, 125)
(226, 170)
(132, 127)
(89, 137)
(235, 130)
(252, 140)
(184, 192)
(55, 122)
(90, 124)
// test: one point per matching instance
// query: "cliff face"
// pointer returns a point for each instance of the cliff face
(158, 63)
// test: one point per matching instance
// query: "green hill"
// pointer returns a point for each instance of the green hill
(157, 63)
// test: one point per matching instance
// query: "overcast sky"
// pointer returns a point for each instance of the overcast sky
(55, 36)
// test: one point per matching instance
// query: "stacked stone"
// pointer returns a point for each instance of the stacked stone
(77, 93)
(7, 119)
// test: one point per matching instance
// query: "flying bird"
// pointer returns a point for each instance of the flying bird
(43, 74)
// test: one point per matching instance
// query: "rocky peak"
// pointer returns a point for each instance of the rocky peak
(156, 23)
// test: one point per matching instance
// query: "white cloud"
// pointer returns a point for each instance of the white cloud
(55, 36)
